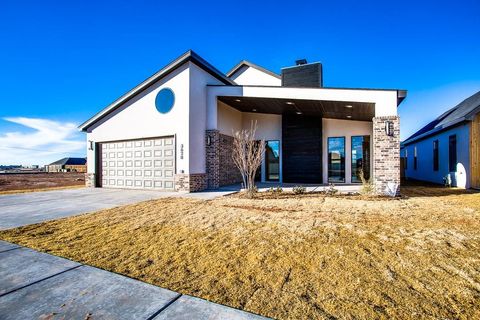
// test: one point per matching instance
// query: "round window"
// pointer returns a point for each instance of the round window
(165, 100)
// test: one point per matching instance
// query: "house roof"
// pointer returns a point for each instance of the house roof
(190, 55)
(460, 113)
(251, 65)
(69, 161)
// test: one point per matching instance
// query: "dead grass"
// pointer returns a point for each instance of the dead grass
(31, 182)
(302, 257)
(41, 189)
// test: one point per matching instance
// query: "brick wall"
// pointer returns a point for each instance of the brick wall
(220, 167)
(212, 140)
(229, 173)
(90, 180)
(191, 182)
(386, 156)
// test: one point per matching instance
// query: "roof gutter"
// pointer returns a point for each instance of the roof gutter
(401, 95)
(435, 131)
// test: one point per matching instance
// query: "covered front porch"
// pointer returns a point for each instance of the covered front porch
(308, 141)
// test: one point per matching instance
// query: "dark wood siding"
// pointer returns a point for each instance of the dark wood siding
(306, 75)
(302, 149)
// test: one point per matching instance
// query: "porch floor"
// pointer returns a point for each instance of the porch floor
(264, 186)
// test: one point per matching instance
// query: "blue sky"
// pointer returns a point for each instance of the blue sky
(63, 61)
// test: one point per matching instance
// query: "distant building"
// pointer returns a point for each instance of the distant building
(68, 165)
(447, 148)
(10, 167)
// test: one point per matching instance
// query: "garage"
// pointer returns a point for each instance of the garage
(138, 164)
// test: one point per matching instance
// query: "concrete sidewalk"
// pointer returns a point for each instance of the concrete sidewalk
(38, 285)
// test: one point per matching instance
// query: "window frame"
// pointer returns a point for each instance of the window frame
(344, 159)
(436, 160)
(363, 157)
(406, 159)
(415, 161)
(267, 178)
(452, 154)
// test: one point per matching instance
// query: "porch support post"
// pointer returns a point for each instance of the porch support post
(386, 155)
(212, 143)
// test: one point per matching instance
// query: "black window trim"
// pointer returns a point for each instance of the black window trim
(345, 159)
(436, 155)
(452, 163)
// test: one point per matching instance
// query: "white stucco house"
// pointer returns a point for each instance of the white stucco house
(174, 130)
(447, 148)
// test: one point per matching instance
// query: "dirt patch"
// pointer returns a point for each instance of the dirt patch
(306, 257)
(10, 183)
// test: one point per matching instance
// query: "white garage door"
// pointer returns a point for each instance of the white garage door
(139, 164)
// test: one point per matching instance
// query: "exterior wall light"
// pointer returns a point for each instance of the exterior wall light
(209, 141)
(90, 145)
(389, 128)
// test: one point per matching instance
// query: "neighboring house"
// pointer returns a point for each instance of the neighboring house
(447, 148)
(174, 130)
(68, 165)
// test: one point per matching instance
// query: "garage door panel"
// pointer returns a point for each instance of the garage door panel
(144, 164)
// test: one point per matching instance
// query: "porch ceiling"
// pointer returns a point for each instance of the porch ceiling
(362, 111)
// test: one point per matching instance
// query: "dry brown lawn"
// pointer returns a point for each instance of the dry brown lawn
(302, 257)
(31, 182)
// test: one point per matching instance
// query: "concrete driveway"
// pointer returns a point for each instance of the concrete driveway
(26, 208)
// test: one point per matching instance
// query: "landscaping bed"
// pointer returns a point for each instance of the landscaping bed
(291, 256)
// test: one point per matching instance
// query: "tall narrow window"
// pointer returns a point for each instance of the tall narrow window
(272, 160)
(336, 159)
(435, 155)
(452, 153)
(415, 158)
(360, 158)
(406, 158)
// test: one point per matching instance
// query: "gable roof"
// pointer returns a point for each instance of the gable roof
(69, 161)
(458, 114)
(251, 65)
(190, 55)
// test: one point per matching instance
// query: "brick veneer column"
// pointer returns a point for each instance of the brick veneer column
(386, 155)
(213, 158)
(90, 180)
(190, 182)
(228, 171)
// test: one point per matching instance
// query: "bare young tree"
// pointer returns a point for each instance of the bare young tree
(248, 155)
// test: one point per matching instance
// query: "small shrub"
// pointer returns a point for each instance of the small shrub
(275, 190)
(299, 190)
(367, 185)
(250, 193)
(331, 190)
